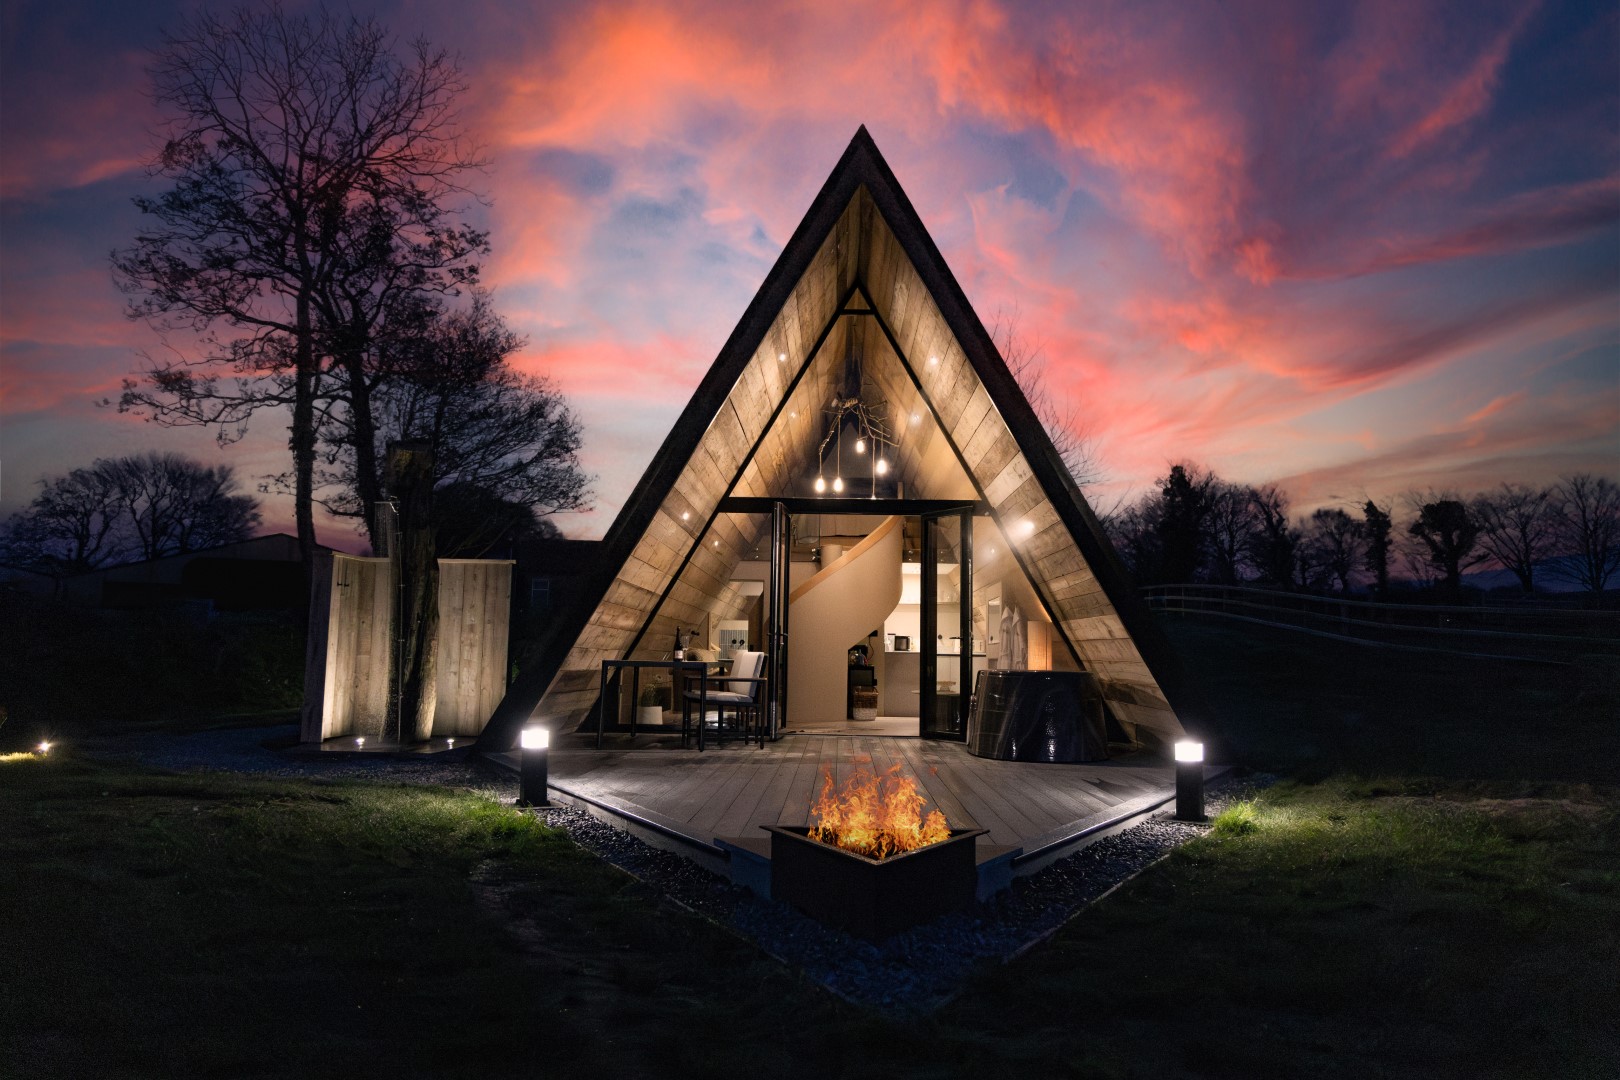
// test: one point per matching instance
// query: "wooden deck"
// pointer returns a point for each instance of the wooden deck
(730, 792)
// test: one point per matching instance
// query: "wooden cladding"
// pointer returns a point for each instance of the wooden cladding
(754, 427)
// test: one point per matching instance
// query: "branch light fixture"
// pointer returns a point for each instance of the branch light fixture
(855, 404)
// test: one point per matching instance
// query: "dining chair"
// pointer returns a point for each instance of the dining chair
(739, 690)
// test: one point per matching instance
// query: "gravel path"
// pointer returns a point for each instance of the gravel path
(242, 750)
(916, 971)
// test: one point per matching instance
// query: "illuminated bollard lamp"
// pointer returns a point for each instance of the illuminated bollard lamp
(535, 746)
(1189, 781)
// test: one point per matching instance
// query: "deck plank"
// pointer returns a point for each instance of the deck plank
(731, 791)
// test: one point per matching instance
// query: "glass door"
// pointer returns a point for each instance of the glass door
(945, 668)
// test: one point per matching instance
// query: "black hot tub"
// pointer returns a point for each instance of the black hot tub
(1053, 716)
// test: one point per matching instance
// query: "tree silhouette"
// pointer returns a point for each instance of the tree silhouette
(1233, 531)
(1379, 523)
(143, 506)
(1518, 528)
(1588, 530)
(1186, 500)
(485, 426)
(1338, 544)
(299, 148)
(1448, 534)
(1071, 436)
(1276, 543)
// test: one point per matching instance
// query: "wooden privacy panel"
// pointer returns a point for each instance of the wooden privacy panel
(347, 663)
(474, 617)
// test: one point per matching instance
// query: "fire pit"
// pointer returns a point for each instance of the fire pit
(871, 864)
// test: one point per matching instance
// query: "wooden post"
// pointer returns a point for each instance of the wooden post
(410, 481)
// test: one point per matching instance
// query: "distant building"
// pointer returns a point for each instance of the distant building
(21, 581)
(551, 576)
(264, 573)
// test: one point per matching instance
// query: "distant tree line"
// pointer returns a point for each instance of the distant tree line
(116, 510)
(1194, 526)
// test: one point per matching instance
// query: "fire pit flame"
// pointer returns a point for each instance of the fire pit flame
(876, 816)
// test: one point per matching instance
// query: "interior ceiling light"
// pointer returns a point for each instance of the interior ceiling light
(856, 404)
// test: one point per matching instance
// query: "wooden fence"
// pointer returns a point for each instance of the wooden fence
(1559, 635)
(474, 616)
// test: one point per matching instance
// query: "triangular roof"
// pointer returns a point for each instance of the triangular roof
(752, 427)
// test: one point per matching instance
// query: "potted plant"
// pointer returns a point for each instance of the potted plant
(650, 706)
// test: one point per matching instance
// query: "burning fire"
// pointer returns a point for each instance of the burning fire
(875, 816)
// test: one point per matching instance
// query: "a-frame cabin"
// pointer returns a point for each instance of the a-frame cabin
(859, 288)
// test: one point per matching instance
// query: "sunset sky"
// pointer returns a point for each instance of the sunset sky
(1354, 249)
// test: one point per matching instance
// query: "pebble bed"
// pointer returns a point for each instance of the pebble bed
(919, 970)
(914, 972)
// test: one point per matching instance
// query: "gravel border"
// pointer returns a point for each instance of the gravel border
(924, 968)
(914, 972)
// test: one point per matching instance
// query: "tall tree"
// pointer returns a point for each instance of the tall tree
(1134, 531)
(1447, 537)
(1186, 493)
(1378, 522)
(1232, 531)
(1337, 542)
(285, 132)
(485, 425)
(1588, 530)
(1518, 527)
(1277, 543)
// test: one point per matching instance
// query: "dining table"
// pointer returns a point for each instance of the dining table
(678, 669)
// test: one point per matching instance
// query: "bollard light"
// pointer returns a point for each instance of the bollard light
(1189, 781)
(536, 747)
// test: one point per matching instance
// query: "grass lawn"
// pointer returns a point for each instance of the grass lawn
(1392, 909)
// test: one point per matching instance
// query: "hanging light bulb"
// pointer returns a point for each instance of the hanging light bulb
(821, 484)
(838, 477)
(883, 467)
(860, 446)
